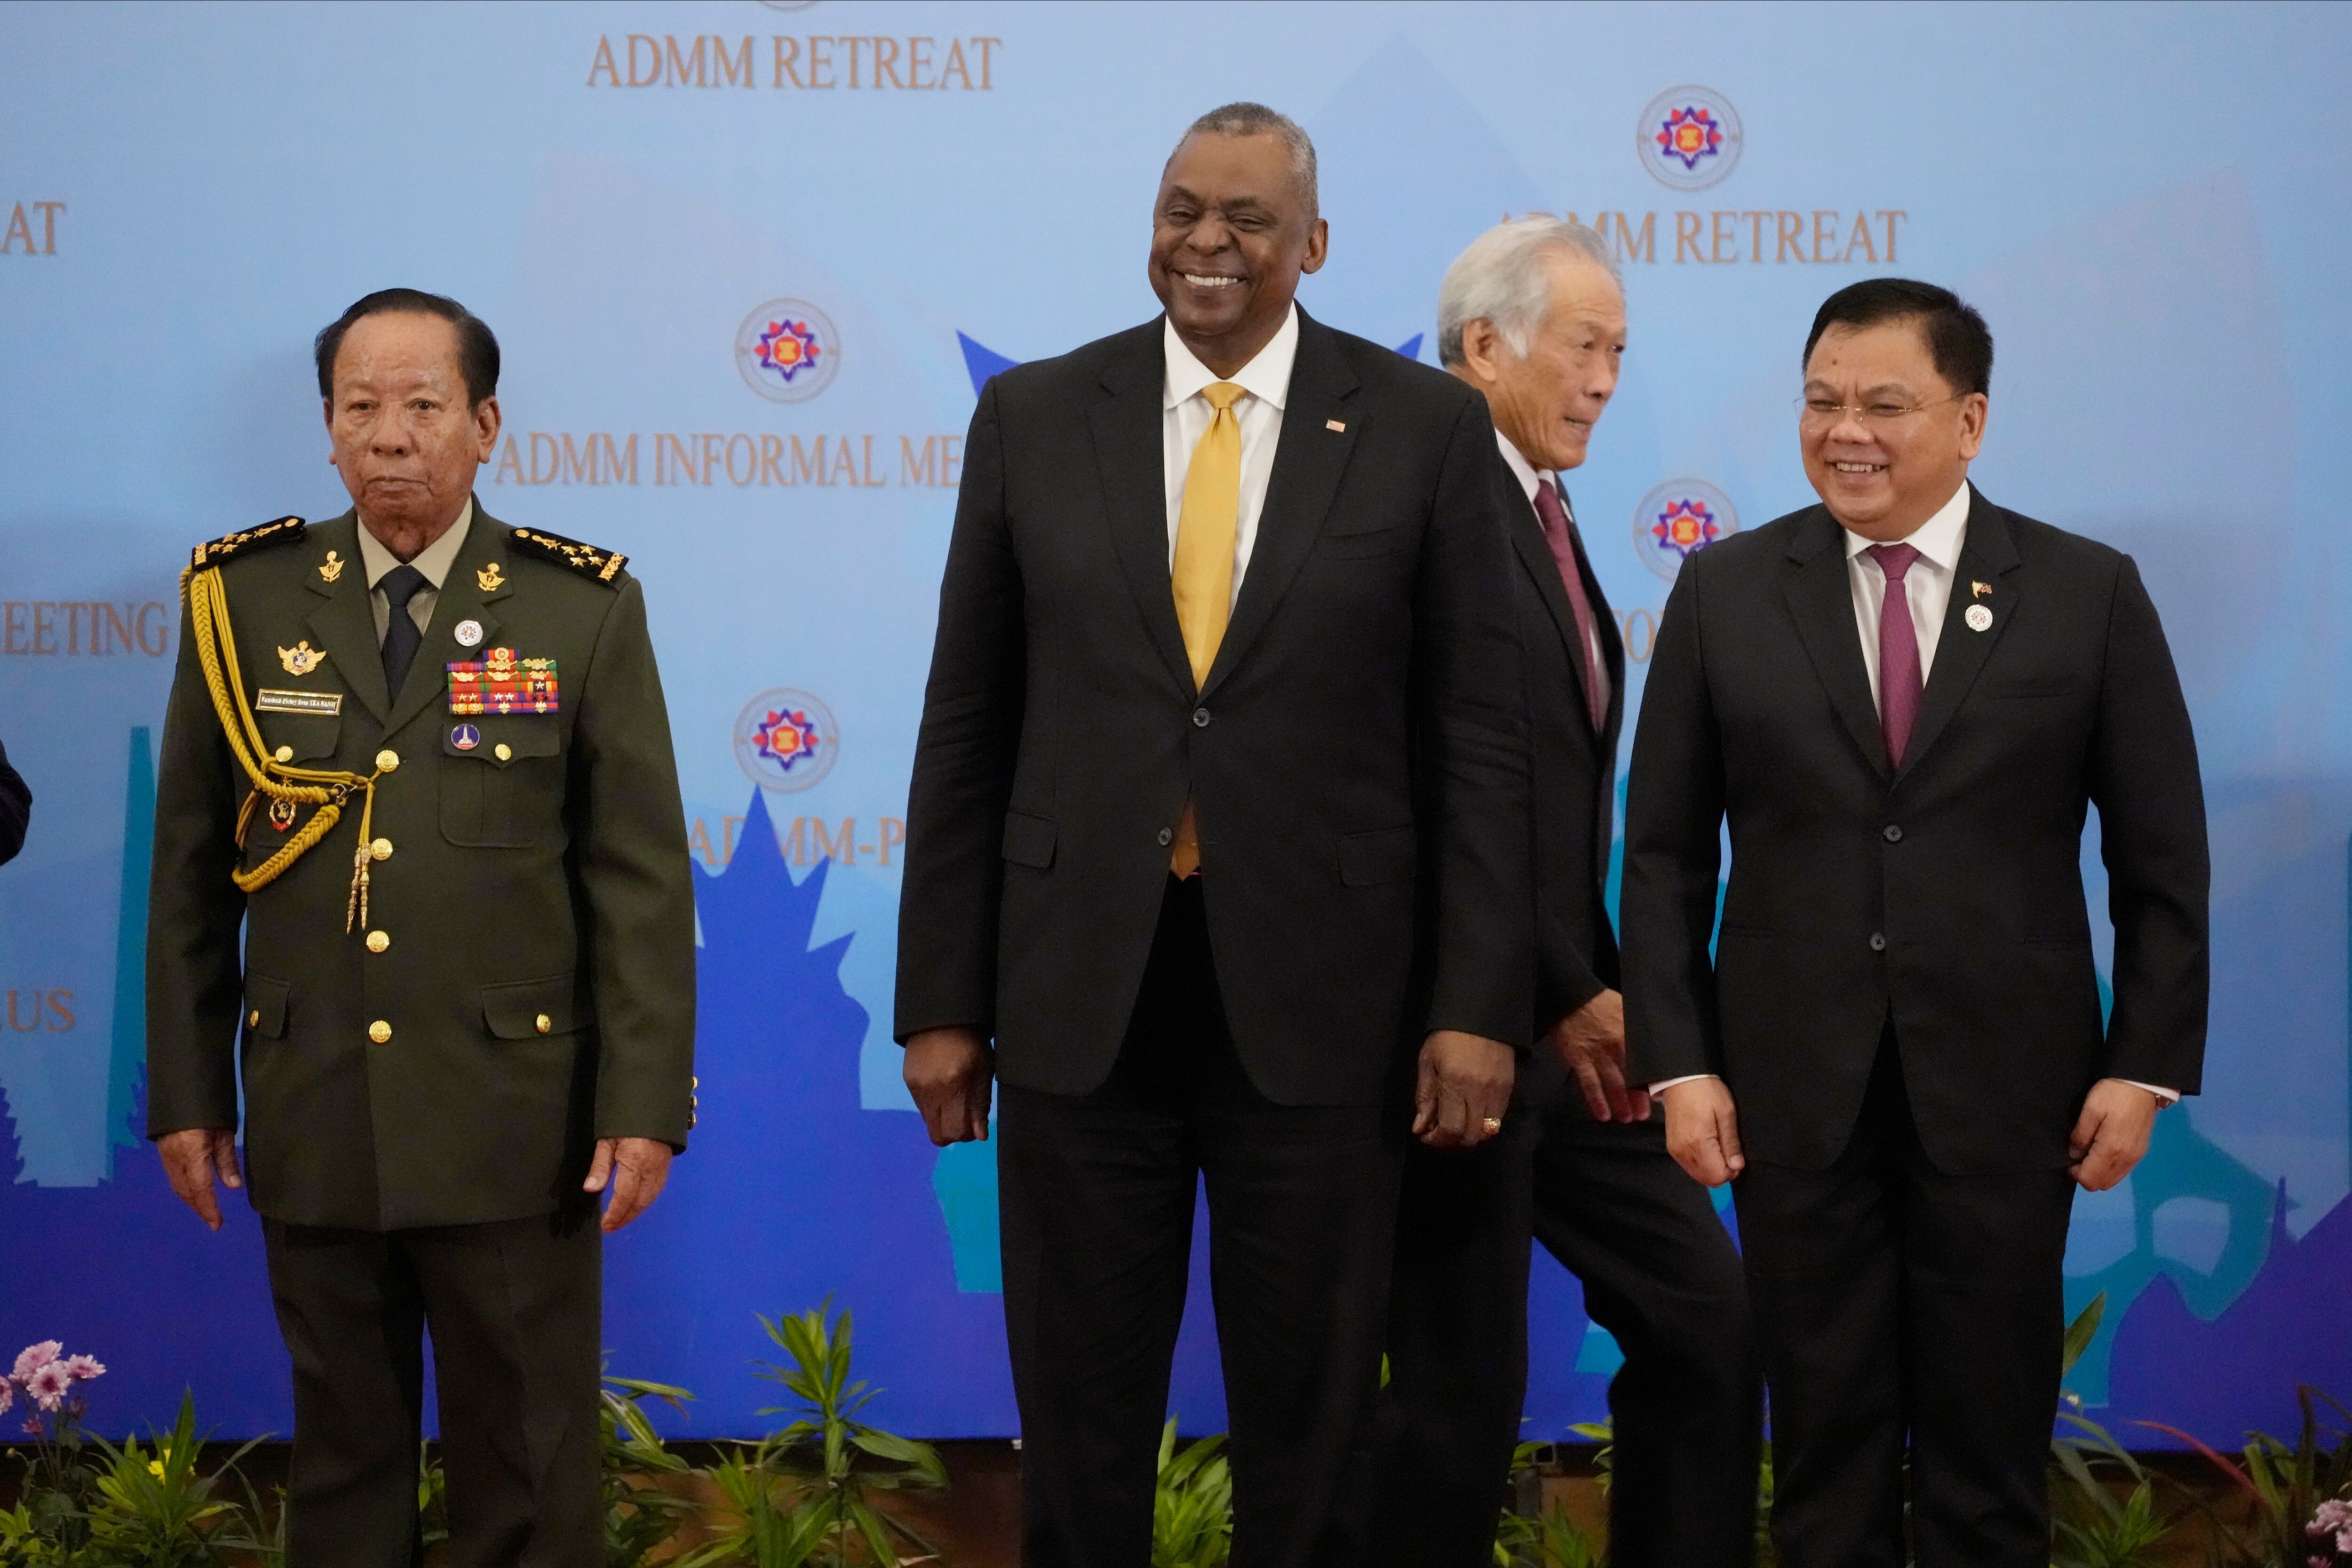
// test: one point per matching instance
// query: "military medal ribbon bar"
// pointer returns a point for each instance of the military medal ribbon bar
(501, 683)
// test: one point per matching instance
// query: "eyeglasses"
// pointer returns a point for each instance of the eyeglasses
(1819, 411)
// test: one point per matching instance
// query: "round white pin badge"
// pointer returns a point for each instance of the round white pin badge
(1978, 618)
(469, 634)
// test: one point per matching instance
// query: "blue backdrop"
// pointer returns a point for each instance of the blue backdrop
(2151, 205)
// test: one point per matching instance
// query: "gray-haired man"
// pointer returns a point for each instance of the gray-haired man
(1533, 316)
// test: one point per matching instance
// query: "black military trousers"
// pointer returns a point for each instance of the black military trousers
(1659, 1272)
(1098, 1201)
(1902, 1309)
(513, 1309)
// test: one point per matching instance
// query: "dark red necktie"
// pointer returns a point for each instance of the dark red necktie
(1558, 533)
(1899, 684)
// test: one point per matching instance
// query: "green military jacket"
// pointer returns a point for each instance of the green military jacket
(523, 983)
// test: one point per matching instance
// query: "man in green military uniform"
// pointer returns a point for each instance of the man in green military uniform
(422, 758)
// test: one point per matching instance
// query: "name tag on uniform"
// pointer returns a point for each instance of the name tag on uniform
(330, 703)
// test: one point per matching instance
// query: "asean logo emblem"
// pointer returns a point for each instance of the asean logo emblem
(785, 740)
(1678, 519)
(787, 351)
(1688, 137)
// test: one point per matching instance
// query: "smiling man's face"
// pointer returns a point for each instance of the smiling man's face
(1231, 236)
(1885, 470)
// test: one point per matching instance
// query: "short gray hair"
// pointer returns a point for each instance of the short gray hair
(1246, 119)
(1501, 276)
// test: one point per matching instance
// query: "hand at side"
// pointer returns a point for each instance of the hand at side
(2111, 1134)
(1703, 1131)
(1591, 1042)
(191, 1158)
(950, 1073)
(1464, 1083)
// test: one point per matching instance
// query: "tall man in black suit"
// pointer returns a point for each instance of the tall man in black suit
(1532, 315)
(1904, 699)
(1219, 811)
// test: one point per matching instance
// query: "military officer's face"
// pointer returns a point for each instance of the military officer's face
(405, 439)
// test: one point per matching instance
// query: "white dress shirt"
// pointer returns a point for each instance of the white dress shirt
(1927, 587)
(1186, 416)
(435, 561)
(1529, 478)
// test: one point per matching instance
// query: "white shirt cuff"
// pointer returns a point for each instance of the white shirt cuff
(2164, 1097)
(1663, 1085)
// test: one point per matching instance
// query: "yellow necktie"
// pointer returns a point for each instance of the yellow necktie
(1202, 576)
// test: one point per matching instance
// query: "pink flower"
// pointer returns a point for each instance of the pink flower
(32, 1426)
(48, 1385)
(82, 1368)
(32, 1358)
(2333, 1514)
(8, 1395)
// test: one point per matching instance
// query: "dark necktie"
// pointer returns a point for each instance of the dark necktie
(1899, 682)
(1561, 535)
(401, 638)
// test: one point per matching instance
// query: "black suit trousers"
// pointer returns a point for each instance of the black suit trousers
(1902, 1308)
(1659, 1272)
(514, 1311)
(1097, 1193)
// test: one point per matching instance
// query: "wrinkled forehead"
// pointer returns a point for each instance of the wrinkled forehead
(398, 347)
(1232, 172)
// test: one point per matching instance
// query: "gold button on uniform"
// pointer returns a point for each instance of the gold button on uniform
(503, 752)
(380, 1032)
(378, 941)
(388, 760)
(381, 848)
(284, 753)
(254, 1018)
(544, 1023)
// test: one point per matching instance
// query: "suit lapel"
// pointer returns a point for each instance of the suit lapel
(341, 620)
(1128, 438)
(1988, 555)
(1820, 597)
(462, 598)
(1307, 463)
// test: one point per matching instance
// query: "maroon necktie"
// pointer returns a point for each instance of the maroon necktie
(1899, 685)
(1558, 533)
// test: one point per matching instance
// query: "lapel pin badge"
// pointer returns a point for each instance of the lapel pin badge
(469, 634)
(1978, 618)
(1979, 590)
(489, 579)
(1335, 424)
(301, 658)
(331, 568)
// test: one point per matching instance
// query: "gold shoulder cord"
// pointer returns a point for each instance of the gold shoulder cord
(206, 599)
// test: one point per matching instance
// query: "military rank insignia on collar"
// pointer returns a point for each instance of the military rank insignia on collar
(604, 565)
(501, 683)
(282, 531)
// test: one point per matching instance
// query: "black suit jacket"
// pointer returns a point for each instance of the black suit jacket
(1574, 783)
(16, 809)
(1356, 754)
(1949, 894)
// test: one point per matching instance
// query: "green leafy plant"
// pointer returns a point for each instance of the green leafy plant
(1191, 1504)
(2284, 1492)
(2091, 1527)
(808, 1493)
(640, 1515)
(1532, 1534)
(152, 1508)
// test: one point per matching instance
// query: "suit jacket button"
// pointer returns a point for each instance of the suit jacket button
(1878, 941)
(1201, 718)
(380, 1032)
(1167, 837)
(387, 761)
(253, 1019)
(1891, 832)
(543, 1023)
(377, 941)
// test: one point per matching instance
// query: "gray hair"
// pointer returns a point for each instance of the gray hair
(1246, 119)
(1501, 276)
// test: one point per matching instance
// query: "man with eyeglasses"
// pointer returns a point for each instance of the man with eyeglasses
(1904, 700)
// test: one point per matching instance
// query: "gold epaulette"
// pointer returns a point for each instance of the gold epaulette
(281, 531)
(604, 565)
